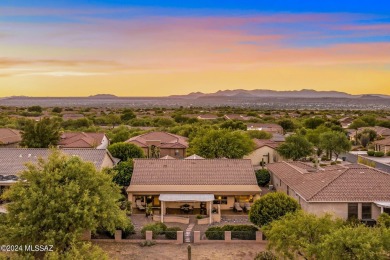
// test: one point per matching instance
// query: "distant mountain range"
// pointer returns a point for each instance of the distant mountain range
(261, 93)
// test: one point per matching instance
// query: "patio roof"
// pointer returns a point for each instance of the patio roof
(383, 204)
(186, 197)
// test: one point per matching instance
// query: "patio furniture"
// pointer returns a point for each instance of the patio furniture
(237, 207)
(139, 205)
(247, 206)
(185, 208)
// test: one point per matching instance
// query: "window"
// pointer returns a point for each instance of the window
(220, 199)
(366, 211)
(244, 198)
(386, 210)
(176, 152)
(352, 210)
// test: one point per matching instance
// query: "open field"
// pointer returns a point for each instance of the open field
(215, 251)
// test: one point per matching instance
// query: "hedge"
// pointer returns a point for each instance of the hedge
(157, 229)
(379, 154)
(242, 232)
(370, 153)
(171, 232)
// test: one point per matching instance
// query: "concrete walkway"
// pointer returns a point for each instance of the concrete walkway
(187, 233)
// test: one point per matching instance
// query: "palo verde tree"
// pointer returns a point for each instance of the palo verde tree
(299, 233)
(42, 134)
(270, 207)
(57, 200)
(295, 147)
(334, 142)
(222, 143)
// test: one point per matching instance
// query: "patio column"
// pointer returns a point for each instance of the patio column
(162, 211)
(211, 217)
(381, 210)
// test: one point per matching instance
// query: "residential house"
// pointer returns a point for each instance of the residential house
(207, 117)
(9, 137)
(160, 144)
(265, 151)
(13, 160)
(382, 145)
(83, 140)
(346, 122)
(382, 132)
(237, 117)
(270, 128)
(197, 182)
(347, 191)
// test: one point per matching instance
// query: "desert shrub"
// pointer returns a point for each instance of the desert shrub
(370, 153)
(265, 255)
(242, 232)
(199, 216)
(215, 233)
(157, 229)
(171, 232)
(388, 153)
(128, 230)
(379, 154)
(333, 163)
(263, 177)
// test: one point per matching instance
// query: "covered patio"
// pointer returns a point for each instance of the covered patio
(384, 206)
(172, 203)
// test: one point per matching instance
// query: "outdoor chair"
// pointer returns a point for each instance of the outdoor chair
(139, 205)
(237, 207)
(247, 206)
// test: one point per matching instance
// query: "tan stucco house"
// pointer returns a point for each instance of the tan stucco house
(9, 137)
(350, 190)
(265, 151)
(160, 144)
(382, 145)
(166, 185)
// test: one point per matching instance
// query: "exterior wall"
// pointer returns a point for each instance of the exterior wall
(257, 155)
(107, 162)
(105, 143)
(382, 148)
(169, 151)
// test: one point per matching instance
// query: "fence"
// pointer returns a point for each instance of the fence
(198, 237)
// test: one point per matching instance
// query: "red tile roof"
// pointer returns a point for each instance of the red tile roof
(265, 142)
(357, 183)
(9, 136)
(167, 140)
(81, 140)
(193, 172)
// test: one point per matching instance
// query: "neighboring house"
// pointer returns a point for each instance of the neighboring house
(382, 132)
(160, 144)
(382, 145)
(279, 138)
(348, 191)
(13, 160)
(207, 117)
(167, 184)
(237, 117)
(270, 128)
(265, 151)
(346, 122)
(9, 137)
(84, 140)
(67, 117)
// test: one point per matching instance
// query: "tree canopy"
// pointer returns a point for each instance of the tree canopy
(42, 134)
(270, 207)
(295, 147)
(222, 143)
(336, 142)
(125, 151)
(58, 199)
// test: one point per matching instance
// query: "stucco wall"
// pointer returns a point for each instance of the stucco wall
(107, 162)
(257, 155)
(105, 143)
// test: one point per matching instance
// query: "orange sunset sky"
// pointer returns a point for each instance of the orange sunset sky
(150, 50)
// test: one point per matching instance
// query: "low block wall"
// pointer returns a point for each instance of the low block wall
(228, 239)
(203, 221)
(172, 219)
(148, 237)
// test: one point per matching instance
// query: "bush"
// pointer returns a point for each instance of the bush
(157, 229)
(128, 230)
(242, 232)
(388, 153)
(263, 177)
(147, 243)
(370, 153)
(379, 154)
(265, 255)
(171, 232)
(215, 233)
(199, 216)
(333, 163)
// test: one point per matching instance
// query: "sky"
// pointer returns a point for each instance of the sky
(160, 48)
